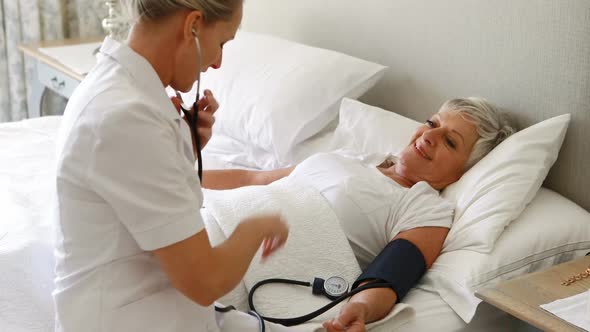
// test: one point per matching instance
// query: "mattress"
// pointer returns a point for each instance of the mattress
(432, 311)
(26, 245)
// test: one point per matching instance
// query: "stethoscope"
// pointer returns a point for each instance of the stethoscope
(334, 288)
(192, 118)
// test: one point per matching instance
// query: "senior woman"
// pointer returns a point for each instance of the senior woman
(390, 208)
(389, 211)
(132, 252)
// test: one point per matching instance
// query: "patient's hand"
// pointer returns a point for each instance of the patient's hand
(351, 318)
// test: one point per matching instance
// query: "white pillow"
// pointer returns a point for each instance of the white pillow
(496, 189)
(275, 93)
(369, 129)
(551, 230)
(491, 194)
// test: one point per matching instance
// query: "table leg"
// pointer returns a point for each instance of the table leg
(35, 102)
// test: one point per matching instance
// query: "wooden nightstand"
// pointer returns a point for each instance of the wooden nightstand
(50, 73)
(522, 296)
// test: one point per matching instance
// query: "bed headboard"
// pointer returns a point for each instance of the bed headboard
(530, 57)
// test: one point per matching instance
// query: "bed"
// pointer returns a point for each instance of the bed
(533, 61)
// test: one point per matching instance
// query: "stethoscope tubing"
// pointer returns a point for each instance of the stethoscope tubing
(302, 319)
(192, 118)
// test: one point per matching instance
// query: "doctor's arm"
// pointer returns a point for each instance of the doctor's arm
(374, 304)
(204, 273)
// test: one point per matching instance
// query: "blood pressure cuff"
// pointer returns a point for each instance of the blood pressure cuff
(400, 263)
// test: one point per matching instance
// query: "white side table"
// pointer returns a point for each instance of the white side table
(50, 73)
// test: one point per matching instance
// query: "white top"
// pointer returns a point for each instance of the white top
(126, 185)
(372, 208)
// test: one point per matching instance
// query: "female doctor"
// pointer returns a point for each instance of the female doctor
(132, 253)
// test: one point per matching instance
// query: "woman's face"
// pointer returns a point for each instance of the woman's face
(212, 37)
(438, 150)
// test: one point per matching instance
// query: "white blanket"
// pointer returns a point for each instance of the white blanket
(26, 236)
(317, 247)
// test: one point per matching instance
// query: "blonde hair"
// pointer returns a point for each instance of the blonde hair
(153, 10)
(493, 126)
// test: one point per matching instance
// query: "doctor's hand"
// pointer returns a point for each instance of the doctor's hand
(350, 319)
(274, 230)
(207, 107)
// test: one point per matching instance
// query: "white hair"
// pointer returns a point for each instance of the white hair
(493, 127)
(152, 10)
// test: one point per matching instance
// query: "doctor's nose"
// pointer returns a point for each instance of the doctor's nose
(217, 64)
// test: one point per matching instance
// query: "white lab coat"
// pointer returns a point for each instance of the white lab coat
(126, 185)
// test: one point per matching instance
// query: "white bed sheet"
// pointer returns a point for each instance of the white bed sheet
(26, 245)
(26, 237)
(433, 314)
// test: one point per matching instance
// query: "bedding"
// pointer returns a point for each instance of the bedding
(313, 229)
(317, 247)
(281, 92)
(26, 244)
(551, 230)
(514, 169)
(26, 152)
(433, 313)
(369, 129)
(496, 190)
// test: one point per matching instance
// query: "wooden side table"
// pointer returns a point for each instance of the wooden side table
(522, 296)
(50, 73)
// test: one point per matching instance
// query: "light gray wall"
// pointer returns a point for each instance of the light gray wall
(531, 57)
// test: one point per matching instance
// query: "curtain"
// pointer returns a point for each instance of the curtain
(28, 21)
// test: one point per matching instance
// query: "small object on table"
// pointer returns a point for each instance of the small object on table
(574, 309)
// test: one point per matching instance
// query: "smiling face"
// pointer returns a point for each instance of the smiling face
(438, 150)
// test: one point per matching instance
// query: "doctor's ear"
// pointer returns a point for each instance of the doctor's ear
(193, 23)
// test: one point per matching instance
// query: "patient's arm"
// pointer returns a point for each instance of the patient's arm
(223, 179)
(373, 304)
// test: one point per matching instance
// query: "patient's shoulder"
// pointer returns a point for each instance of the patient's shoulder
(421, 198)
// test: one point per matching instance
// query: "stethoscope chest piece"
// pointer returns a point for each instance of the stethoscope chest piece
(332, 288)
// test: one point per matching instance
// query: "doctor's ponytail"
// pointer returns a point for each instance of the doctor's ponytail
(153, 10)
